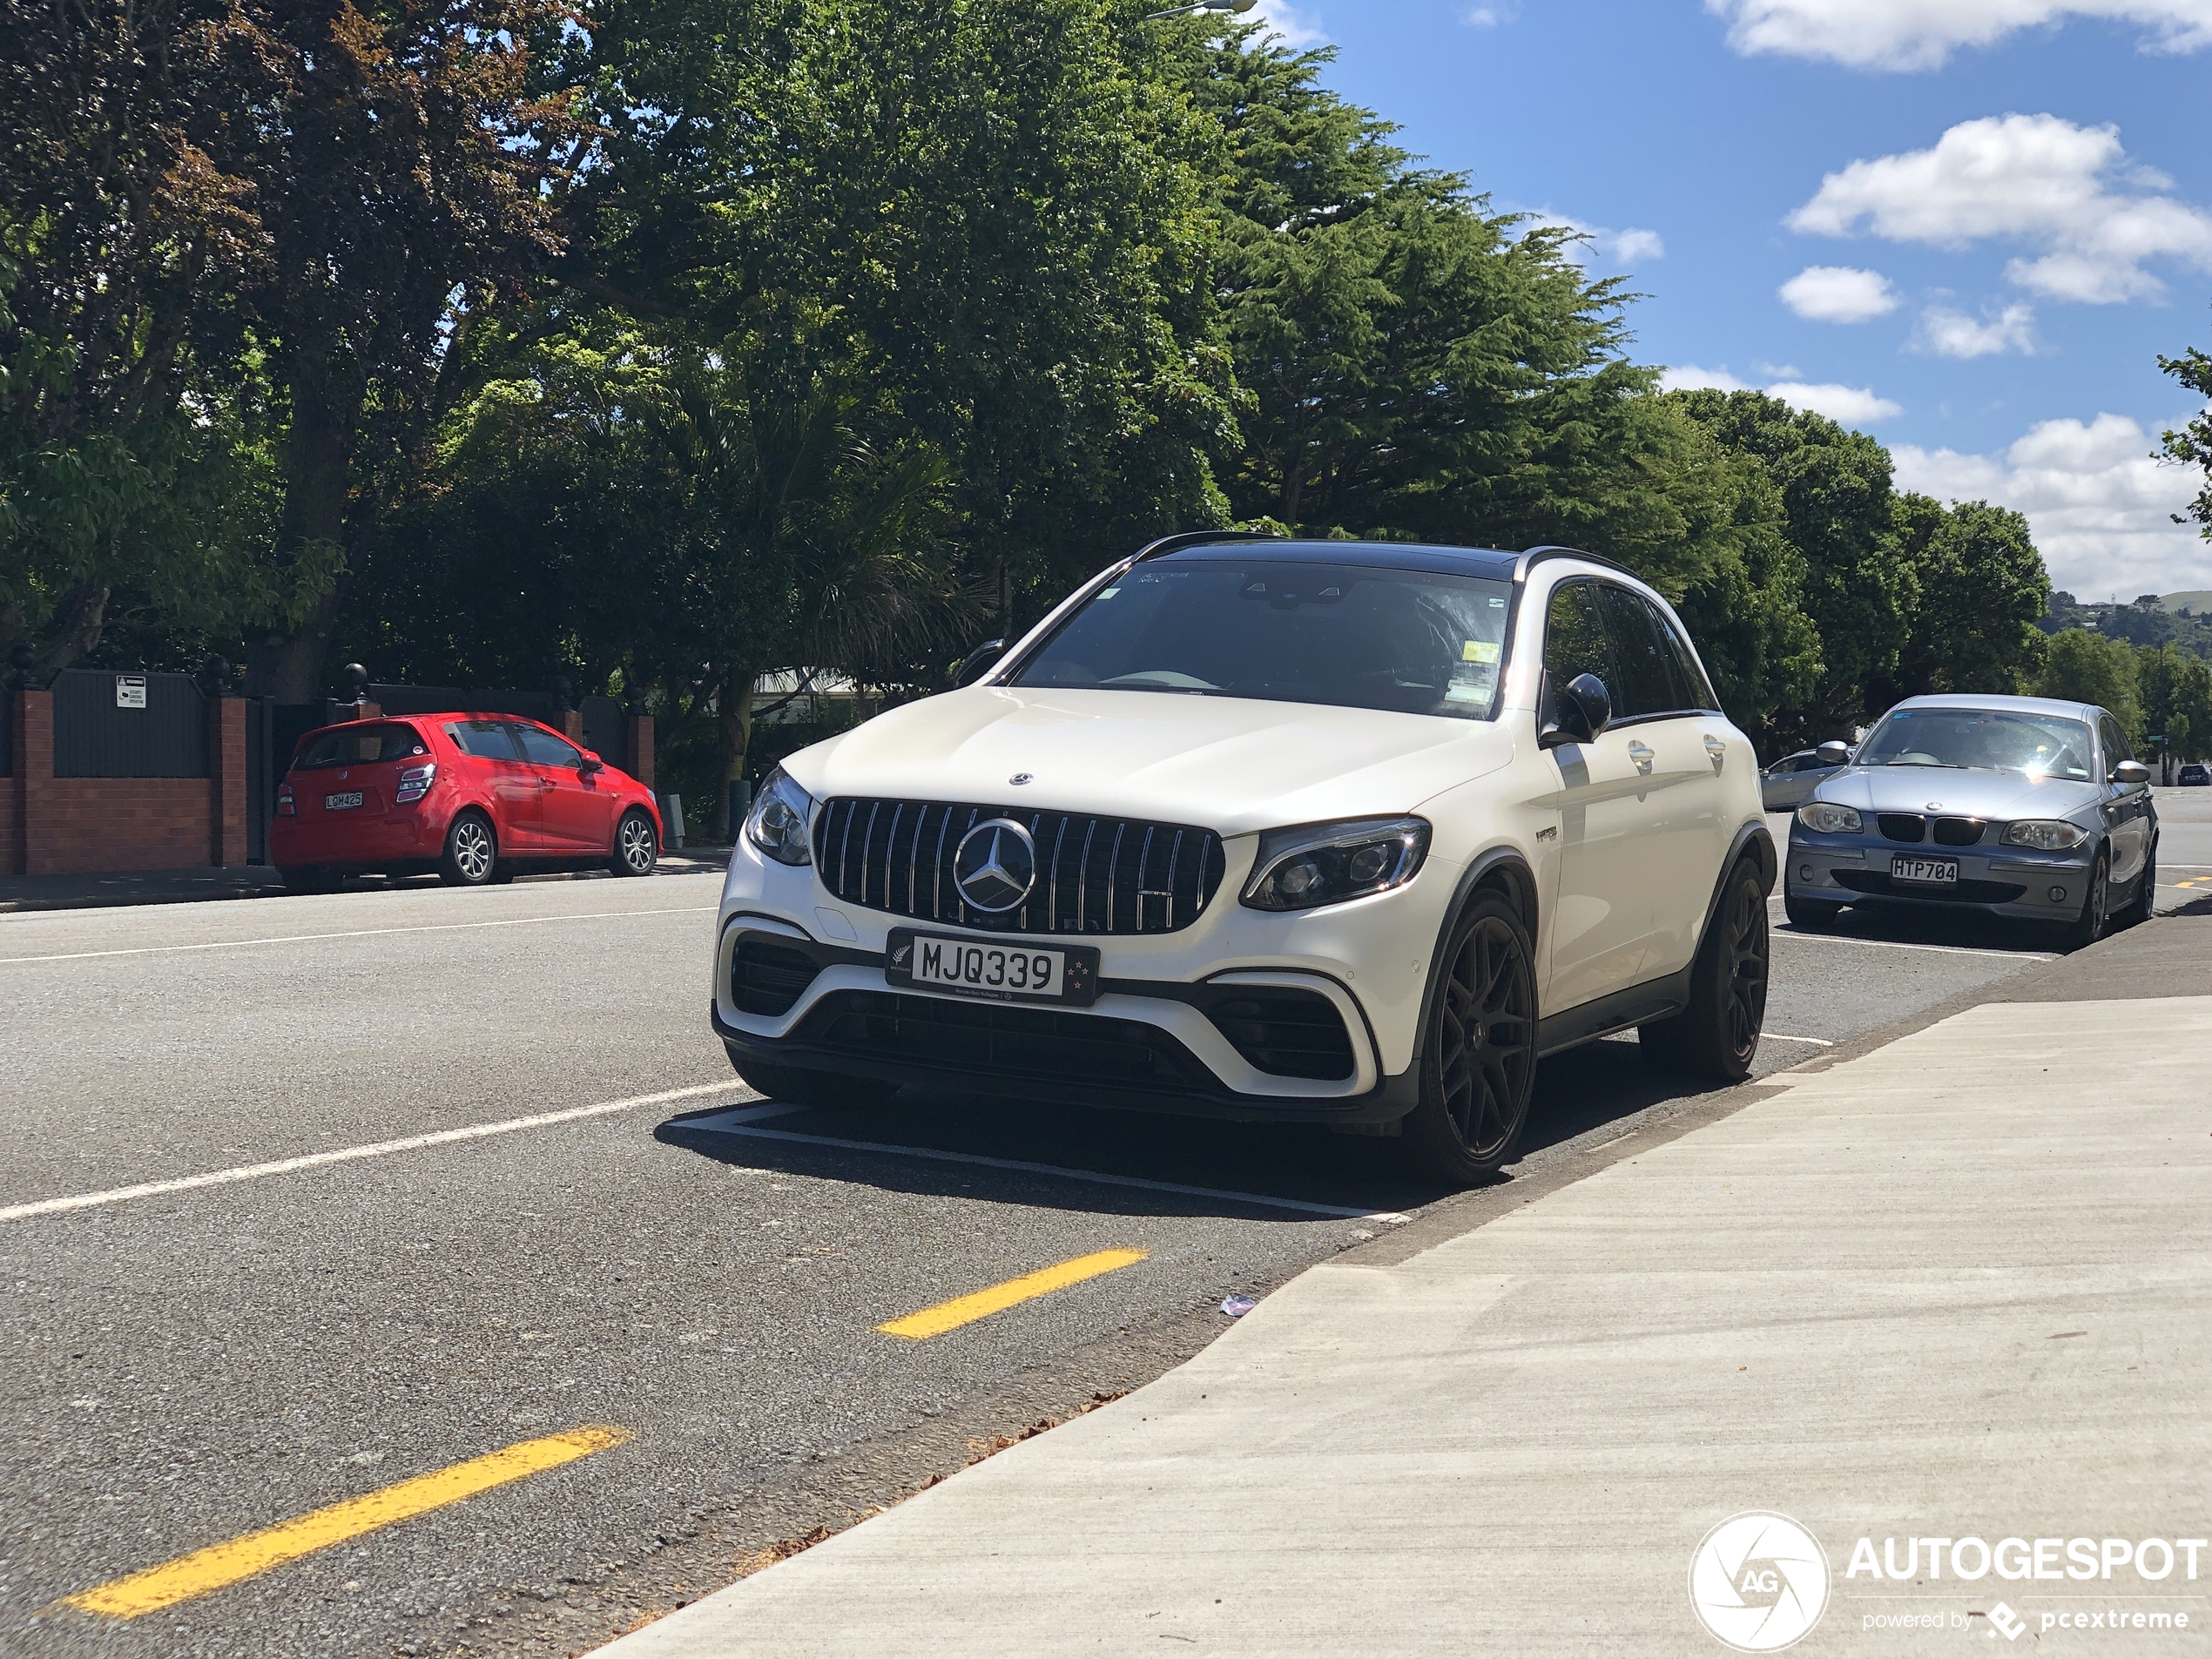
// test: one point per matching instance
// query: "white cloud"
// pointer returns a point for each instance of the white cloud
(1921, 34)
(1839, 293)
(1847, 405)
(2101, 508)
(1298, 27)
(2033, 180)
(1946, 332)
(1490, 16)
(1599, 242)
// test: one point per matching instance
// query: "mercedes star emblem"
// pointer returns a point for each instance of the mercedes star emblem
(1021, 777)
(996, 865)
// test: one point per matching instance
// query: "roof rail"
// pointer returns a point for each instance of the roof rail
(1168, 544)
(1534, 556)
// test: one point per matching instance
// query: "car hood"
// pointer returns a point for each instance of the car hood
(1231, 765)
(1999, 795)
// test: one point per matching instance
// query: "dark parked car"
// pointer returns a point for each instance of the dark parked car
(2195, 775)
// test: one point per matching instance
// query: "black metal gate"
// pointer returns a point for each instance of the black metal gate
(128, 725)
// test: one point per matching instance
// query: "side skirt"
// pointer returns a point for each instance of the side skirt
(1617, 1011)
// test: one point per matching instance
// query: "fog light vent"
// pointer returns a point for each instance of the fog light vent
(2058, 895)
(1804, 873)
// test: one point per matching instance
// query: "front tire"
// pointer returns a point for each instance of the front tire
(1717, 1035)
(471, 856)
(2143, 905)
(1479, 1050)
(2096, 905)
(636, 848)
(1810, 914)
(800, 1086)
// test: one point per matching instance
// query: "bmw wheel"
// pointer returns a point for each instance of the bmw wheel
(472, 851)
(2096, 905)
(1809, 916)
(636, 848)
(2143, 905)
(1717, 1035)
(1478, 1053)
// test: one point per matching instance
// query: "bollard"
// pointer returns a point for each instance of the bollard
(671, 811)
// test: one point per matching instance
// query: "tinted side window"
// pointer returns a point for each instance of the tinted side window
(357, 746)
(485, 740)
(1575, 641)
(1692, 688)
(2116, 749)
(544, 749)
(1647, 663)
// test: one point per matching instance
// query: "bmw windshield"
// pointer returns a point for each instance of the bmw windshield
(1352, 636)
(2040, 745)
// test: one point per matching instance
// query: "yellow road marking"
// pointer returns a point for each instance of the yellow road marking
(966, 1310)
(224, 1564)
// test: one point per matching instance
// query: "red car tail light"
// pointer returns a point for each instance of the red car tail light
(414, 783)
(285, 808)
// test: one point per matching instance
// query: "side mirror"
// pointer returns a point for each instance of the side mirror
(2131, 775)
(1585, 708)
(978, 663)
(1833, 754)
(590, 764)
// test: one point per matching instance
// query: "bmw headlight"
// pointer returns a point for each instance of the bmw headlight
(1825, 817)
(777, 824)
(2045, 834)
(1318, 863)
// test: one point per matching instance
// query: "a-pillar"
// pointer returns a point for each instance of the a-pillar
(226, 782)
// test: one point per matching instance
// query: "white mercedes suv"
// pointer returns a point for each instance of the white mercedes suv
(1338, 832)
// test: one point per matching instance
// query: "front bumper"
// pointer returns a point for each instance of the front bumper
(2011, 881)
(1185, 1021)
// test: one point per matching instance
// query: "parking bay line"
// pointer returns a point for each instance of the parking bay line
(379, 1149)
(980, 1304)
(358, 932)
(1343, 1211)
(1776, 1036)
(220, 1565)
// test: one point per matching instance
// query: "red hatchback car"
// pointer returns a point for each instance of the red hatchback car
(478, 798)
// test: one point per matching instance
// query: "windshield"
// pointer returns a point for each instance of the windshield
(2042, 745)
(1347, 635)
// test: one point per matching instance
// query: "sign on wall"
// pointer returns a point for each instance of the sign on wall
(130, 691)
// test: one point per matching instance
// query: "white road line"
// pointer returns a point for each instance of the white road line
(380, 1148)
(931, 1152)
(1896, 944)
(361, 933)
(1776, 1036)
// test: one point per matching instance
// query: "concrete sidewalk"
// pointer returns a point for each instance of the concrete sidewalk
(1958, 1287)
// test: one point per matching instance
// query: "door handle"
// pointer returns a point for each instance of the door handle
(1716, 751)
(546, 782)
(1642, 756)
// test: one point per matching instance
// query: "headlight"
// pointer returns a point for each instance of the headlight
(1318, 863)
(777, 824)
(2045, 834)
(1825, 817)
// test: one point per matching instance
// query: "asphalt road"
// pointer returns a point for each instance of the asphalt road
(189, 1366)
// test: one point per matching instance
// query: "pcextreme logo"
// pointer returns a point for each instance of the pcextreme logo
(1759, 1581)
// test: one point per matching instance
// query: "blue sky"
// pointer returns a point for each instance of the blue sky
(1967, 226)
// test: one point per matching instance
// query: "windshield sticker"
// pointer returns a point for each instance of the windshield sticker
(1479, 651)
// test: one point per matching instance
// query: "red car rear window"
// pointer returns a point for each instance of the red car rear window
(361, 746)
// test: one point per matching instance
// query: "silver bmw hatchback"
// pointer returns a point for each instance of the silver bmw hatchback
(2019, 806)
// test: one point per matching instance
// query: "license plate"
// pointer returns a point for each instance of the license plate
(1004, 970)
(339, 803)
(1927, 873)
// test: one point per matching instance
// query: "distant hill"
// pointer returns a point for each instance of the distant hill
(2158, 623)
(2199, 600)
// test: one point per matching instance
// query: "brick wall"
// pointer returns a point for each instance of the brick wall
(10, 829)
(94, 824)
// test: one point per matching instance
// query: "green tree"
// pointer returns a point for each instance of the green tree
(2086, 667)
(2175, 692)
(2192, 444)
(1981, 589)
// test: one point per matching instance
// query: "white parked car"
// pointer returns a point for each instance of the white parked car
(1334, 831)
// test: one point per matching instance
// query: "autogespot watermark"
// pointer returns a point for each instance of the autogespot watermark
(1760, 1581)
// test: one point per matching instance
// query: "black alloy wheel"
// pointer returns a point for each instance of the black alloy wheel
(2096, 905)
(1479, 1053)
(1717, 1035)
(636, 848)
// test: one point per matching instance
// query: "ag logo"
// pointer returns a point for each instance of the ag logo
(1759, 1581)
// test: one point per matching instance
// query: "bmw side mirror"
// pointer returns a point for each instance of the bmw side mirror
(2131, 775)
(1585, 708)
(1833, 754)
(978, 663)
